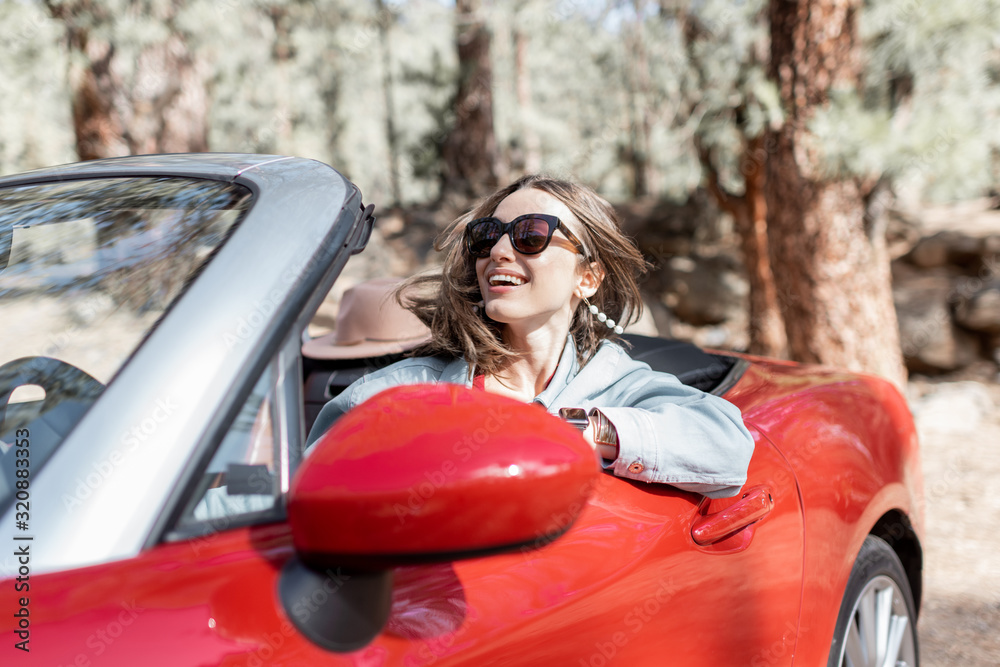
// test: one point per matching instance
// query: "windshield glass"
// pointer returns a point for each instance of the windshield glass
(87, 269)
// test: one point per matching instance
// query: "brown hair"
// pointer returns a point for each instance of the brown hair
(446, 302)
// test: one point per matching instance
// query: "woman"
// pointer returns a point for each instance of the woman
(537, 280)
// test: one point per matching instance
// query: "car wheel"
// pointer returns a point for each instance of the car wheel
(877, 621)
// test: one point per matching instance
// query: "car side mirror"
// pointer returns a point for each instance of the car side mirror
(423, 473)
(437, 472)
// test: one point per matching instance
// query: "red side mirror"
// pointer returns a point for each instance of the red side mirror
(429, 472)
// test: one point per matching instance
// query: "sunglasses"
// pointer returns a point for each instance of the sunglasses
(529, 234)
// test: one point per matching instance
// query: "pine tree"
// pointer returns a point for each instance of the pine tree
(833, 275)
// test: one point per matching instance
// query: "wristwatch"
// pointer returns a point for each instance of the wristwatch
(575, 417)
(605, 434)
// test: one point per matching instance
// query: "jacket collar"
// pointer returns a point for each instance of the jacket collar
(457, 372)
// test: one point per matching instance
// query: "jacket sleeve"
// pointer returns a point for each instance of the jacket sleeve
(674, 434)
(331, 412)
(408, 371)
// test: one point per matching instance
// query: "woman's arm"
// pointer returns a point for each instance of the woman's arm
(669, 432)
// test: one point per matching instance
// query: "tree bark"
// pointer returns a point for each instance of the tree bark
(469, 152)
(282, 53)
(638, 90)
(97, 123)
(384, 19)
(834, 284)
(167, 108)
(749, 211)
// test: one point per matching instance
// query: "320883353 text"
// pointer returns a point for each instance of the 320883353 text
(22, 543)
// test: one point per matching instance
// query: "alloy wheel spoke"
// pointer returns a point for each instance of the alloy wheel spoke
(866, 627)
(854, 656)
(883, 618)
(897, 631)
(880, 633)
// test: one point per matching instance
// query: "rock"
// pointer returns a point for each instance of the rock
(990, 249)
(902, 232)
(709, 290)
(945, 248)
(980, 311)
(952, 407)
(646, 324)
(993, 346)
(665, 221)
(930, 340)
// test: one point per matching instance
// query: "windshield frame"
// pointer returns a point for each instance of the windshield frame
(306, 222)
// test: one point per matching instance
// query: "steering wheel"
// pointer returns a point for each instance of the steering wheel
(60, 380)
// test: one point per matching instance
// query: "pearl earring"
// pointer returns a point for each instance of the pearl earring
(476, 307)
(610, 323)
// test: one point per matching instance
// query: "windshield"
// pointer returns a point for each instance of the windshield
(87, 269)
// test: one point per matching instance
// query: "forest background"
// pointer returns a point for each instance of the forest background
(734, 135)
(813, 179)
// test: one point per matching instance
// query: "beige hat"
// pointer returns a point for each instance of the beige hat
(370, 323)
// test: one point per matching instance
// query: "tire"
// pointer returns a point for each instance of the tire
(877, 616)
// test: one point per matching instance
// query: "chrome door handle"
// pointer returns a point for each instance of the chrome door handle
(753, 507)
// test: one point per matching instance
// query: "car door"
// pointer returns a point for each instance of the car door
(626, 584)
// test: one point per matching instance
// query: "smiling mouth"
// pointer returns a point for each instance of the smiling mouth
(504, 279)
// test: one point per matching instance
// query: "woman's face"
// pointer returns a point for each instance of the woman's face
(534, 291)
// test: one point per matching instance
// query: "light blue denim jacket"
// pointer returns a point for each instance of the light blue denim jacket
(668, 432)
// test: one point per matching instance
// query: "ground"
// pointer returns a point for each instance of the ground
(959, 424)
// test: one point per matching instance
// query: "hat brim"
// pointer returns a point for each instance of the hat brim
(325, 347)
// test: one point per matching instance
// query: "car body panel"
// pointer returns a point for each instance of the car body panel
(852, 445)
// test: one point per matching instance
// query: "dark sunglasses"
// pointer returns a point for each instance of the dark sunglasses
(529, 234)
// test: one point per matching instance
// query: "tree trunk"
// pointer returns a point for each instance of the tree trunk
(385, 19)
(281, 140)
(167, 105)
(637, 89)
(532, 145)
(97, 123)
(469, 152)
(834, 284)
(749, 211)
(767, 328)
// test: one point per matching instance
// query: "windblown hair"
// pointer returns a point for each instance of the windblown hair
(446, 302)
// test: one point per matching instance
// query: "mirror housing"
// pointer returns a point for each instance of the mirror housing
(425, 473)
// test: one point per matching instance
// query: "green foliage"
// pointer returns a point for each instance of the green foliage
(927, 114)
(729, 96)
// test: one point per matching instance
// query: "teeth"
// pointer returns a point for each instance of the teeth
(504, 278)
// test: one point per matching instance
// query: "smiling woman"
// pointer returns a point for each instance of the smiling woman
(538, 282)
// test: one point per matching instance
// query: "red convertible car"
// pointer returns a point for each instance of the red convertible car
(152, 316)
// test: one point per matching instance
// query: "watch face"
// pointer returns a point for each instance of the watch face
(575, 416)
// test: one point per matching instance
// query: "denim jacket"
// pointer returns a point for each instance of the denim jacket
(668, 432)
